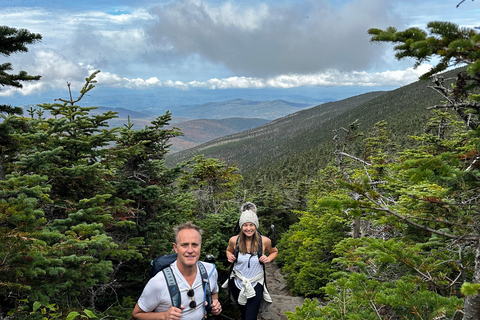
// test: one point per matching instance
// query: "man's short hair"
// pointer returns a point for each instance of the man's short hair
(187, 225)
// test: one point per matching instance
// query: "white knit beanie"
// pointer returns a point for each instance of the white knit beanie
(248, 216)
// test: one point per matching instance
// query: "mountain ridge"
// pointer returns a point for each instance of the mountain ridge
(302, 142)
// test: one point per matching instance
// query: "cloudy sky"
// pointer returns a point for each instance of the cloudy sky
(217, 45)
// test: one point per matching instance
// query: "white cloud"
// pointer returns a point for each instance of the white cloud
(328, 78)
(219, 44)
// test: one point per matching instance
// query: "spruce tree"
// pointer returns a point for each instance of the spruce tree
(12, 41)
(454, 160)
(76, 252)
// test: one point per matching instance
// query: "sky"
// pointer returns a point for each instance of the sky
(183, 47)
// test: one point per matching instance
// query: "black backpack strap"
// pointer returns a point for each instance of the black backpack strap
(235, 253)
(172, 287)
(260, 245)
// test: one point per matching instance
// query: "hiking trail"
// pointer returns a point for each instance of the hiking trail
(282, 299)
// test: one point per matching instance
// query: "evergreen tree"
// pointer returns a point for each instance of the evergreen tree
(446, 173)
(12, 41)
(75, 254)
(143, 178)
(213, 183)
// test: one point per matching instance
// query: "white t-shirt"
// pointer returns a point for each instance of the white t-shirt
(155, 295)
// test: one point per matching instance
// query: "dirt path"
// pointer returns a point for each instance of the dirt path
(282, 300)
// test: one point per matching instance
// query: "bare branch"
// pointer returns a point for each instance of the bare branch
(354, 158)
(408, 220)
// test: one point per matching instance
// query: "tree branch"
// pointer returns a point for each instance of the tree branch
(470, 237)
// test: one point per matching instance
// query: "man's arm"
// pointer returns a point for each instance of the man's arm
(171, 314)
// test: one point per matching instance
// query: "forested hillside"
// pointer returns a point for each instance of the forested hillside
(240, 108)
(302, 142)
(264, 140)
(195, 132)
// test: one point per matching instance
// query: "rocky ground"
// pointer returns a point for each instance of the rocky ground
(282, 300)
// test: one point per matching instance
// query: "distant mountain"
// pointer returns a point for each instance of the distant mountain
(241, 108)
(200, 131)
(265, 142)
(217, 119)
(302, 142)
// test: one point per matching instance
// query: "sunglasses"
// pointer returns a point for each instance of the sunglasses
(191, 294)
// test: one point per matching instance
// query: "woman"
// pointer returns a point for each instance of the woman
(246, 284)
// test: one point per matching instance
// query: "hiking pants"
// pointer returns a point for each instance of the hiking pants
(250, 310)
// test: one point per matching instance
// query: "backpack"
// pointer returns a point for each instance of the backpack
(162, 263)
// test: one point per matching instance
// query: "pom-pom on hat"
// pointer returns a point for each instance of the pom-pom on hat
(248, 216)
(248, 206)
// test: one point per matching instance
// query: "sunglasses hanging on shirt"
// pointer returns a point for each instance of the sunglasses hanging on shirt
(191, 294)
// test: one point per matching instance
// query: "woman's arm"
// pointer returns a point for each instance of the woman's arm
(272, 252)
(231, 249)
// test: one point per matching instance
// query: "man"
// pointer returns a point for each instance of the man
(155, 301)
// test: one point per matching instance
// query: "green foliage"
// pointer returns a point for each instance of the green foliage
(470, 289)
(217, 230)
(212, 182)
(358, 297)
(415, 206)
(309, 310)
(84, 210)
(306, 248)
(12, 41)
(48, 311)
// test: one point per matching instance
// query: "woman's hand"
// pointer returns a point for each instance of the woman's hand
(264, 259)
(231, 258)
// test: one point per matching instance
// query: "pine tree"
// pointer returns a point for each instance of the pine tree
(12, 41)
(142, 177)
(446, 174)
(213, 183)
(76, 252)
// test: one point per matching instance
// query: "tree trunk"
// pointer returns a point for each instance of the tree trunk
(472, 303)
(2, 172)
(356, 228)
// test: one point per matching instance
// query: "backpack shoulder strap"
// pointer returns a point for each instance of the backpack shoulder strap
(260, 245)
(204, 274)
(236, 249)
(206, 285)
(172, 287)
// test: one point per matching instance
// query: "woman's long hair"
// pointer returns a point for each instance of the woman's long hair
(242, 242)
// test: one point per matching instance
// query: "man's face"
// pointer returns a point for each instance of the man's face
(188, 247)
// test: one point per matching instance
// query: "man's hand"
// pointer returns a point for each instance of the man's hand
(173, 313)
(216, 307)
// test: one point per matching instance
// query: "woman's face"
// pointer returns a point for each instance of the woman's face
(249, 229)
